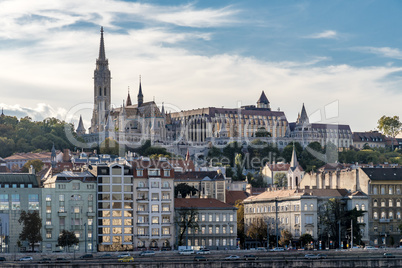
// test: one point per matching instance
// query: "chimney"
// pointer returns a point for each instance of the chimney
(31, 170)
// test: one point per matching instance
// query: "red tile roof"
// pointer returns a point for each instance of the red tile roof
(233, 196)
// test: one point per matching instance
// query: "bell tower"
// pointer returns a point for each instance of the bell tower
(102, 90)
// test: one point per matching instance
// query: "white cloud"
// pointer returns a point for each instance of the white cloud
(329, 34)
(387, 52)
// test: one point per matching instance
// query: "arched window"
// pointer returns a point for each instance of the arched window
(375, 215)
(311, 206)
(166, 184)
(154, 244)
(398, 203)
(398, 215)
(363, 207)
(375, 203)
(383, 215)
(141, 184)
(166, 244)
(305, 207)
(140, 244)
(391, 215)
(357, 207)
(383, 202)
(390, 202)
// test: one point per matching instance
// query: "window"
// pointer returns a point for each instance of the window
(76, 186)
(398, 215)
(48, 197)
(382, 215)
(398, 203)
(311, 207)
(210, 230)
(375, 190)
(155, 197)
(203, 230)
(33, 202)
(305, 207)
(217, 230)
(166, 185)
(224, 217)
(391, 215)
(155, 231)
(216, 217)
(375, 215)
(90, 186)
(297, 219)
(48, 234)
(390, 190)
(202, 217)
(231, 229)
(390, 202)
(383, 203)
(4, 205)
(155, 220)
(375, 203)
(309, 219)
(141, 184)
(140, 174)
(166, 173)
(363, 207)
(15, 202)
(153, 172)
(155, 208)
(223, 229)
(230, 217)
(166, 230)
(165, 208)
(155, 184)
(61, 197)
(209, 217)
(382, 189)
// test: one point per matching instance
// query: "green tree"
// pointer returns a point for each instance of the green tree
(257, 181)
(288, 150)
(35, 163)
(390, 126)
(6, 146)
(32, 224)
(281, 179)
(286, 236)
(186, 218)
(305, 239)
(231, 150)
(67, 239)
(240, 222)
(109, 146)
(184, 189)
(239, 168)
(262, 132)
(258, 231)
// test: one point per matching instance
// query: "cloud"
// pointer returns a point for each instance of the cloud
(387, 52)
(38, 113)
(329, 34)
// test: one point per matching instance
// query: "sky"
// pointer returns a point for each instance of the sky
(342, 59)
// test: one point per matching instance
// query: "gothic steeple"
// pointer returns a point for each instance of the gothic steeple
(140, 97)
(80, 129)
(128, 102)
(293, 162)
(102, 90)
(303, 117)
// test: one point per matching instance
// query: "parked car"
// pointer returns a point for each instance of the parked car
(106, 256)
(123, 255)
(200, 258)
(186, 252)
(126, 259)
(45, 260)
(278, 249)
(203, 251)
(322, 256)
(87, 256)
(370, 247)
(388, 255)
(2, 259)
(27, 258)
(311, 256)
(232, 257)
(147, 253)
(250, 257)
(261, 249)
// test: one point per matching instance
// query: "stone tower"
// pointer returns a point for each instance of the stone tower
(102, 90)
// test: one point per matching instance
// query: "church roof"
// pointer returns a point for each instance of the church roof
(263, 98)
(128, 102)
(303, 117)
(102, 55)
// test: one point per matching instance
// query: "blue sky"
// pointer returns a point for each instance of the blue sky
(194, 54)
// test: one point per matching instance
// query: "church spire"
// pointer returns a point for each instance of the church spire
(140, 97)
(128, 102)
(293, 162)
(80, 129)
(303, 118)
(263, 101)
(102, 55)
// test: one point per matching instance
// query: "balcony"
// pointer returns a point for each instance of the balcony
(143, 223)
(48, 226)
(143, 188)
(91, 214)
(385, 220)
(166, 212)
(142, 211)
(62, 213)
(142, 200)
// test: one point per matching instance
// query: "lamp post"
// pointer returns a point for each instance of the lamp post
(276, 220)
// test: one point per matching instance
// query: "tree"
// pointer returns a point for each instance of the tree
(35, 163)
(288, 150)
(109, 146)
(32, 224)
(239, 169)
(305, 239)
(286, 236)
(281, 179)
(186, 218)
(262, 132)
(257, 231)
(184, 189)
(240, 222)
(67, 239)
(390, 126)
